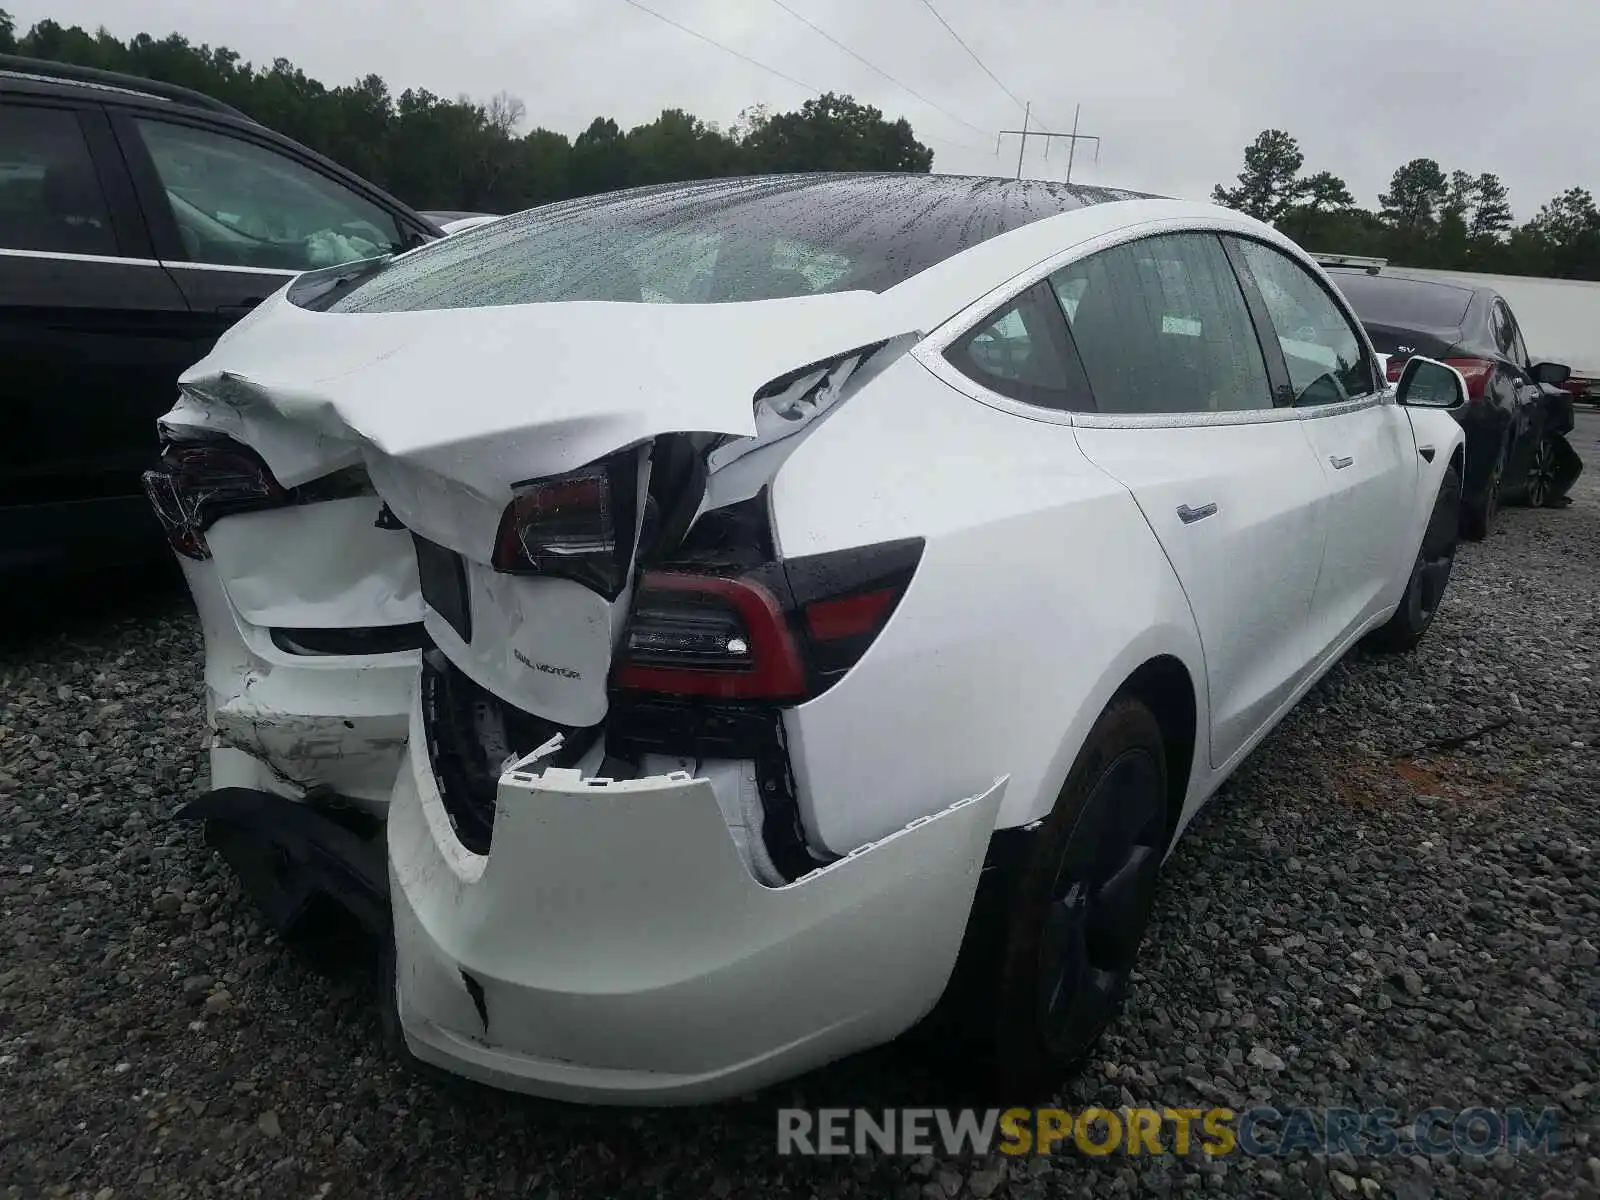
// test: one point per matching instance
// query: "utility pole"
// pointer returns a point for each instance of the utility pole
(1072, 143)
(1072, 139)
(1027, 111)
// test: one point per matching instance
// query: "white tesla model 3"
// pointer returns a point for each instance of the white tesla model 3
(831, 592)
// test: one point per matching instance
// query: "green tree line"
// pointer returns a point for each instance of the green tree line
(438, 153)
(1428, 218)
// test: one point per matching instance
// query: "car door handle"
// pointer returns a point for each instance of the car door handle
(1190, 515)
(239, 310)
(1340, 461)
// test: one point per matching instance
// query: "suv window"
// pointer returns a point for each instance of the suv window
(1162, 327)
(1016, 351)
(50, 197)
(1325, 354)
(240, 204)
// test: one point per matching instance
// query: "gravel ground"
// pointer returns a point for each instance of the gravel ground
(1368, 916)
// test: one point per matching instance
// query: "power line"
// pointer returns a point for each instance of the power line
(928, 4)
(799, 83)
(817, 29)
(736, 53)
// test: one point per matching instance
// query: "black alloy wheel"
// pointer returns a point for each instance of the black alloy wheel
(1430, 572)
(1100, 902)
(1051, 952)
(1542, 472)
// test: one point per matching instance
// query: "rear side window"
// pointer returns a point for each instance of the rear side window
(1504, 330)
(1324, 353)
(50, 197)
(1519, 348)
(1019, 352)
(1161, 326)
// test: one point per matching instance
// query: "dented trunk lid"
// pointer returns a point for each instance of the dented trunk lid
(450, 410)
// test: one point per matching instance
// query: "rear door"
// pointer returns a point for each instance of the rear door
(1227, 482)
(92, 331)
(1363, 441)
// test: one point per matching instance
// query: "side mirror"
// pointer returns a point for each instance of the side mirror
(1427, 383)
(1554, 374)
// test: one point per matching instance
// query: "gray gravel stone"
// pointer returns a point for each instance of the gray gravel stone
(1393, 922)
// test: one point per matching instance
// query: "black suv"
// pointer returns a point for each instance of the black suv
(137, 222)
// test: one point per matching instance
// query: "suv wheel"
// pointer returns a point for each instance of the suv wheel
(1542, 472)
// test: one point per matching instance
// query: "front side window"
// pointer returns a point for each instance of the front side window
(1326, 357)
(50, 197)
(1161, 327)
(243, 205)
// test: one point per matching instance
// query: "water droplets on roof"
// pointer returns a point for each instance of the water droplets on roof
(747, 238)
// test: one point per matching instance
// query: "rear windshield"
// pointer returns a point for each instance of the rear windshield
(1404, 303)
(727, 240)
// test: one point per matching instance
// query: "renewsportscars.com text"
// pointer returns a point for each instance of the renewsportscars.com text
(1257, 1132)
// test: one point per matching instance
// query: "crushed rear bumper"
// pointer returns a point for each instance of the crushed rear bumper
(298, 724)
(613, 947)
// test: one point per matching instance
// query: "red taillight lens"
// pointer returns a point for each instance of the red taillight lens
(1476, 371)
(701, 635)
(576, 526)
(850, 616)
(1396, 366)
(782, 632)
(197, 483)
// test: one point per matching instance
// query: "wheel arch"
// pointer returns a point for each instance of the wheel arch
(1164, 685)
(1165, 670)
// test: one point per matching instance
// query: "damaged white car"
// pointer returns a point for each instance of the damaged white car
(833, 593)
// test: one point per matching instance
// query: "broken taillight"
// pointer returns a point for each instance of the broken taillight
(783, 633)
(577, 526)
(196, 483)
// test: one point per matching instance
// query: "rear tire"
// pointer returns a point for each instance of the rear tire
(1070, 928)
(1430, 573)
(1477, 516)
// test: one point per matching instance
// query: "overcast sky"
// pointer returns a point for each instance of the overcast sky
(1174, 89)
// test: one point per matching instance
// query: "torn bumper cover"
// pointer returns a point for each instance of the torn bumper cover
(613, 947)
